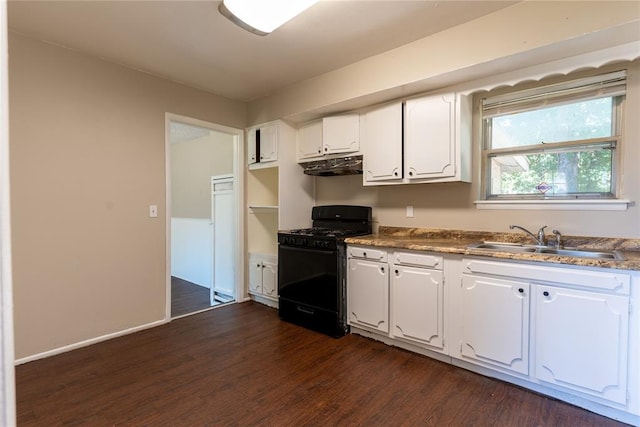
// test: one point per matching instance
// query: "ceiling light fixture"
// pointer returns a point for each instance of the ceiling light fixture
(262, 16)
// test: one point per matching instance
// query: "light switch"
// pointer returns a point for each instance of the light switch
(153, 211)
(409, 211)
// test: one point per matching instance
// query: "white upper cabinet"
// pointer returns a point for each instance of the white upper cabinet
(262, 147)
(330, 137)
(382, 151)
(341, 134)
(430, 147)
(428, 141)
(310, 140)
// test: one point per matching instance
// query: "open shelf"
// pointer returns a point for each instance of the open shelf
(262, 209)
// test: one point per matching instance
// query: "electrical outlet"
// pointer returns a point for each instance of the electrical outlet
(409, 211)
(153, 211)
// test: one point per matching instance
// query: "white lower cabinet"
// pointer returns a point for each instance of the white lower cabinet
(263, 275)
(565, 331)
(417, 296)
(581, 341)
(368, 294)
(398, 293)
(495, 322)
(574, 321)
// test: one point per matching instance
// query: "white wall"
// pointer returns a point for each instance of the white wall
(87, 160)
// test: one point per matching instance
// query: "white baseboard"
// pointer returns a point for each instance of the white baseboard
(88, 342)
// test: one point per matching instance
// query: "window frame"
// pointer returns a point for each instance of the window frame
(544, 93)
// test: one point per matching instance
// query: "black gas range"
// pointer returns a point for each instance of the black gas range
(312, 268)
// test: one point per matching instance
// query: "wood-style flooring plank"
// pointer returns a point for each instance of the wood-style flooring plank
(239, 365)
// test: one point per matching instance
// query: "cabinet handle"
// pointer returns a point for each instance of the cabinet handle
(395, 174)
(258, 265)
(326, 149)
(521, 290)
(382, 269)
(410, 173)
(319, 151)
(397, 272)
(545, 293)
(364, 254)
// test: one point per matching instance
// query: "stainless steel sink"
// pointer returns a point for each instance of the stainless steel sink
(583, 253)
(503, 247)
(519, 248)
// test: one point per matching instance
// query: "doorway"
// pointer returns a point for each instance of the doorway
(204, 236)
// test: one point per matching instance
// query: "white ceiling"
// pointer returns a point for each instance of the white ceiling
(190, 42)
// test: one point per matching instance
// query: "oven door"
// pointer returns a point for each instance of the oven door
(309, 277)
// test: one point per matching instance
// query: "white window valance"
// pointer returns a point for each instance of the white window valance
(591, 60)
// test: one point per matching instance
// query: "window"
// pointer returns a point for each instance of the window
(558, 141)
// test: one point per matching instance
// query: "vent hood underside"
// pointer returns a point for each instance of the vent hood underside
(334, 167)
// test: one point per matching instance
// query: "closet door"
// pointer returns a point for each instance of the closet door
(224, 245)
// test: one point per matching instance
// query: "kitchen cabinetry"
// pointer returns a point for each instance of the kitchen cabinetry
(262, 146)
(495, 322)
(368, 289)
(263, 275)
(279, 197)
(417, 299)
(579, 324)
(382, 138)
(397, 293)
(423, 140)
(329, 137)
(581, 341)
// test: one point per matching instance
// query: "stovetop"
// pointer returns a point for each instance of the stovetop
(322, 232)
(316, 237)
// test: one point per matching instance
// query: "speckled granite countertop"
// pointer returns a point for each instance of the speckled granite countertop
(456, 242)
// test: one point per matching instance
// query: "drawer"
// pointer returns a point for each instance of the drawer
(417, 259)
(605, 280)
(367, 253)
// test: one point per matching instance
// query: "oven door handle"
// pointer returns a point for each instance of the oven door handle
(315, 251)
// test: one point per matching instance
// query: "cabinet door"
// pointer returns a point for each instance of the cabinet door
(270, 279)
(382, 144)
(581, 341)
(341, 134)
(495, 322)
(429, 139)
(269, 143)
(255, 275)
(416, 305)
(368, 294)
(252, 153)
(310, 140)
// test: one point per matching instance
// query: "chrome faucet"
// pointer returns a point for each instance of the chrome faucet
(558, 238)
(541, 239)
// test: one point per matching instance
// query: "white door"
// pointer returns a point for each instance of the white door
(368, 294)
(382, 142)
(581, 341)
(429, 144)
(416, 305)
(495, 322)
(341, 134)
(224, 247)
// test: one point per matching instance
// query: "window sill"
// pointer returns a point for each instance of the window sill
(556, 205)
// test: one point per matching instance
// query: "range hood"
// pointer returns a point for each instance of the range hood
(334, 167)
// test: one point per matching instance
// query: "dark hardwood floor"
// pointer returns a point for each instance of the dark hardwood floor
(187, 297)
(239, 365)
